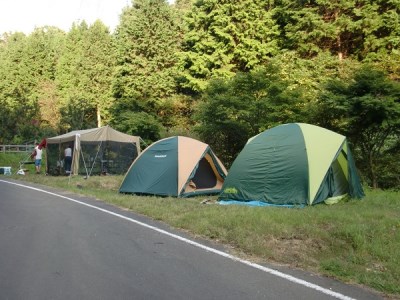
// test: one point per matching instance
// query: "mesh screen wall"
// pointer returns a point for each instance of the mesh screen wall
(95, 158)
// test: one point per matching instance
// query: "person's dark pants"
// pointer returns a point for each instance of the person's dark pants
(67, 163)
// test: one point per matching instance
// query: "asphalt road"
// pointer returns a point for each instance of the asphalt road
(55, 245)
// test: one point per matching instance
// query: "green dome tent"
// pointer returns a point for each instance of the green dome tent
(292, 164)
(176, 166)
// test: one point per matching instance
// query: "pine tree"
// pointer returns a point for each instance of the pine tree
(351, 28)
(226, 37)
(84, 76)
(19, 109)
(46, 47)
(100, 58)
(146, 41)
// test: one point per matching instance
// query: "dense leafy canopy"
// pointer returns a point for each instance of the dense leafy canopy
(146, 43)
(367, 110)
(84, 76)
(351, 28)
(234, 110)
(226, 37)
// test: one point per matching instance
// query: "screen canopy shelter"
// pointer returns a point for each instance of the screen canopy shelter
(95, 151)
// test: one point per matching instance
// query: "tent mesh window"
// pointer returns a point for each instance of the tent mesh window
(106, 157)
(55, 158)
(96, 158)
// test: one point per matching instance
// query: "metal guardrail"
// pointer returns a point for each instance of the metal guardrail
(16, 148)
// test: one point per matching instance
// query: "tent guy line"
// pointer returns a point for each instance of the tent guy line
(198, 245)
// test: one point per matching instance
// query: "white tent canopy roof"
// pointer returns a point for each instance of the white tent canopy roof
(105, 133)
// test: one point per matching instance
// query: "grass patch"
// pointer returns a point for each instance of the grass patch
(357, 241)
(13, 160)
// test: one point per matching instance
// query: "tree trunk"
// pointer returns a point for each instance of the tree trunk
(340, 55)
(374, 179)
(339, 40)
(98, 117)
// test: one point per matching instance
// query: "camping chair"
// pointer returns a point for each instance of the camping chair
(26, 161)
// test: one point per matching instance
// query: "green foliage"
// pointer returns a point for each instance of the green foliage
(146, 42)
(28, 91)
(366, 110)
(381, 29)
(139, 123)
(224, 38)
(310, 75)
(176, 113)
(14, 161)
(84, 76)
(319, 26)
(234, 110)
(358, 29)
(26, 62)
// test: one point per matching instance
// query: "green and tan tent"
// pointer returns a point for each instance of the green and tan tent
(176, 166)
(292, 164)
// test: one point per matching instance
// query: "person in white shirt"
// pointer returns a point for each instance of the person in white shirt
(38, 158)
(68, 159)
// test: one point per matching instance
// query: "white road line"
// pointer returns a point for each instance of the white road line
(209, 249)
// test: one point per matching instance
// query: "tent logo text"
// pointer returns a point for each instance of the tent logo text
(230, 190)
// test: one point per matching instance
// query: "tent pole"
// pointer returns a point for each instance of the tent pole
(69, 177)
(84, 163)
(73, 158)
(143, 141)
(94, 161)
(70, 172)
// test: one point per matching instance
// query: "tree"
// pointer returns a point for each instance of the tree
(183, 6)
(77, 112)
(234, 110)
(146, 124)
(366, 110)
(146, 42)
(381, 29)
(226, 37)
(46, 46)
(20, 117)
(100, 56)
(353, 28)
(84, 76)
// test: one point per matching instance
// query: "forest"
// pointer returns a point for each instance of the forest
(220, 71)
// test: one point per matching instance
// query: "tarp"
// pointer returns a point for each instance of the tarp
(176, 166)
(293, 164)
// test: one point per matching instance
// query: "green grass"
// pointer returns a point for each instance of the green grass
(13, 160)
(357, 241)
